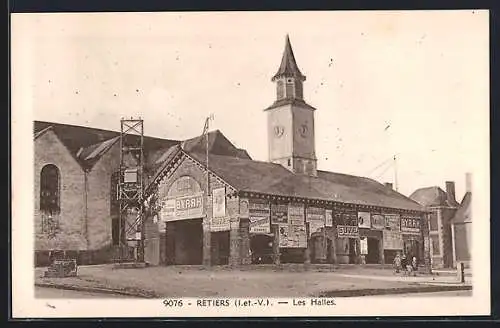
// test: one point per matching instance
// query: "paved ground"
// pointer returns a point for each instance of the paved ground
(41, 292)
(438, 294)
(255, 281)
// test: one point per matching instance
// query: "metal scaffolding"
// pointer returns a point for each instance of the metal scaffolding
(131, 189)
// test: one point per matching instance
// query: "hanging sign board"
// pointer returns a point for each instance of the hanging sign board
(296, 214)
(347, 231)
(329, 218)
(182, 208)
(410, 224)
(392, 222)
(219, 202)
(378, 221)
(392, 240)
(279, 213)
(283, 230)
(260, 216)
(364, 220)
(315, 214)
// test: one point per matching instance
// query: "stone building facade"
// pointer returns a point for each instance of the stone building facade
(442, 206)
(285, 209)
(224, 208)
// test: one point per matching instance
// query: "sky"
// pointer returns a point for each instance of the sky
(412, 84)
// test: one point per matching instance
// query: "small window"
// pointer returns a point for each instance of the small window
(289, 162)
(49, 189)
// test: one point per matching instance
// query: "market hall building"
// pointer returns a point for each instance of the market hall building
(282, 210)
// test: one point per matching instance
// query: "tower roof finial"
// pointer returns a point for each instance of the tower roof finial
(288, 65)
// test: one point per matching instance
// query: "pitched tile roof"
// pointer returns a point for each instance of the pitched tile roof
(88, 145)
(269, 178)
(217, 144)
(431, 196)
(463, 214)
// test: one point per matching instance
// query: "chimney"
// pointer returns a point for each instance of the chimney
(468, 182)
(388, 185)
(450, 192)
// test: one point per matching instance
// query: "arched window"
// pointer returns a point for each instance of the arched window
(49, 189)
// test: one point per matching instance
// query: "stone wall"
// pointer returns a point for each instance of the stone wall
(71, 234)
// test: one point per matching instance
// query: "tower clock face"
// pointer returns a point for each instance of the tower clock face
(279, 130)
(303, 129)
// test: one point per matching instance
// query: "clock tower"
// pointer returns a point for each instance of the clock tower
(290, 119)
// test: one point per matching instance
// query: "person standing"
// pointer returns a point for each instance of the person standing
(397, 263)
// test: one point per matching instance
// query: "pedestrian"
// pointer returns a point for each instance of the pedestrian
(397, 263)
(414, 265)
(404, 263)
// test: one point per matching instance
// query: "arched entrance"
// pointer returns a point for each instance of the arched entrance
(182, 212)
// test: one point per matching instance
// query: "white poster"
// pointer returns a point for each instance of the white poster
(329, 218)
(363, 243)
(219, 202)
(364, 219)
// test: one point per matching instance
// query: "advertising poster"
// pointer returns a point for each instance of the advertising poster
(244, 208)
(220, 224)
(316, 226)
(392, 240)
(283, 235)
(297, 237)
(296, 214)
(364, 220)
(260, 216)
(392, 222)
(315, 214)
(350, 219)
(378, 221)
(410, 224)
(219, 202)
(329, 218)
(260, 224)
(279, 213)
(167, 211)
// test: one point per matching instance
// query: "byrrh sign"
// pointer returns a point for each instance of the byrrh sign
(182, 208)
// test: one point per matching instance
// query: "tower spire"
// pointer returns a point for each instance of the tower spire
(288, 67)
